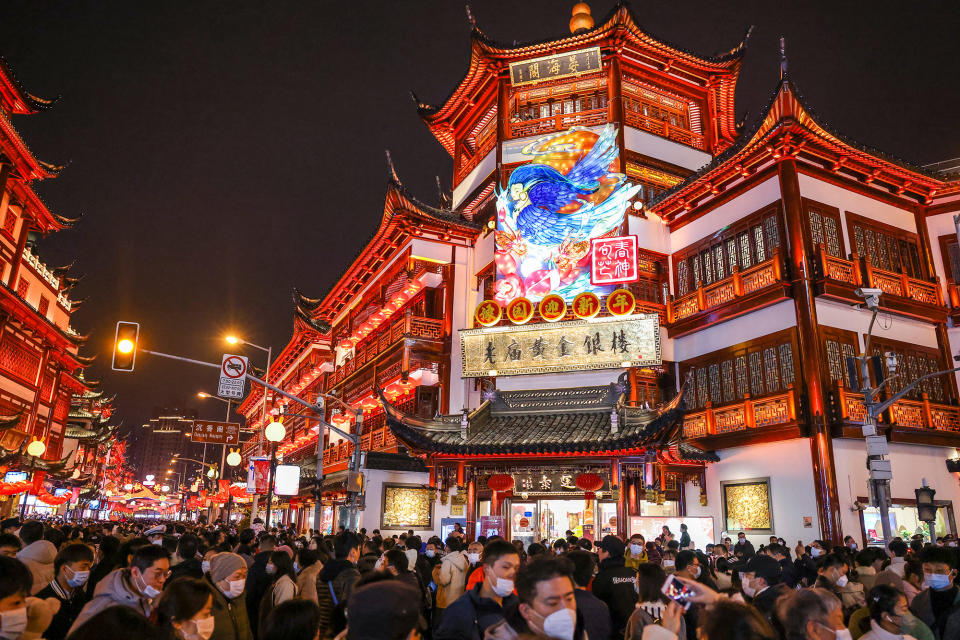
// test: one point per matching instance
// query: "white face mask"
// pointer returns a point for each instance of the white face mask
(204, 628)
(503, 587)
(696, 572)
(157, 541)
(430, 553)
(296, 567)
(205, 566)
(148, 590)
(560, 624)
(636, 549)
(13, 623)
(842, 581)
(815, 552)
(235, 589)
(748, 589)
(473, 557)
(271, 569)
(669, 563)
(78, 579)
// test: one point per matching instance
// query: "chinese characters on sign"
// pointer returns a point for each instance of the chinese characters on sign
(621, 302)
(564, 65)
(520, 310)
(553, 308)
(488, 313)
(586, 305)
(613, 260)
(563, 346)
(215, 432)
(551, 481)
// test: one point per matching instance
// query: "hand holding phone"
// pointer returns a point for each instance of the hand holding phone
(678, 592)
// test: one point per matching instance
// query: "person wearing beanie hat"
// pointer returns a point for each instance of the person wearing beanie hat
(227, 578)
(383, 610)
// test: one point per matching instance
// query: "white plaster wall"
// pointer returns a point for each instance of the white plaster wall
(370, 516)
(559, 380)
(788, 465)
(465, 299)
(652, 234)
(851, 201)
(940, 225)
(433, 251)
(664, 149)
(751, 325)
(743, 205)
(953, 342)
(910, 463)
(475, 177)
(843, 316)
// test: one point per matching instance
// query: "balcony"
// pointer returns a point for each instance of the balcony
(766, 418)
(408, 326)
(913, 297)
(743, 291)
(634, 117)
(557, 122)
(485, 145)
(909, 420)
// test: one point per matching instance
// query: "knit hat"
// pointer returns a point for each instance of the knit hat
(382, 610)
(224, 564)
(286, 548)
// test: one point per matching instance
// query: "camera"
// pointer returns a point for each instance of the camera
(870, 295)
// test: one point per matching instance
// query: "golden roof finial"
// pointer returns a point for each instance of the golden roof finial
(581, 20)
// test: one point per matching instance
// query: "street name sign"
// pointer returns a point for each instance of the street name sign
(210, 432)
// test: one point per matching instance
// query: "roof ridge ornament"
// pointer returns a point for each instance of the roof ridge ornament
(391, 170)
(783, 58)
(470, 19)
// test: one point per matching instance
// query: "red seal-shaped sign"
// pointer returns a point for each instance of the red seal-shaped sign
(523, 522)
(520, 310)
(553, 308)
(488, 313)
(621, 302)
(586, 305)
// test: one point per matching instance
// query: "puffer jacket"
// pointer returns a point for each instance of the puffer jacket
(38, 556)
(307, 581)
(116, 589)
(230, 619)
(335, 584)
(450, 576)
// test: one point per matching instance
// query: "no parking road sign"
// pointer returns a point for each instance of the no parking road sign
(233, 371)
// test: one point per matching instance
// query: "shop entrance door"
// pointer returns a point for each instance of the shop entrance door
(556, 516)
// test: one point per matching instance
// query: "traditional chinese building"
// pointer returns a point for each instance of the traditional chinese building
(39, 359)
(616, 238)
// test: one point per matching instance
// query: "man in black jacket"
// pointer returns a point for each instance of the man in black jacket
(371, 553)
(788, 572)
(596, 614)
(258, 581)
(336, 581)
(71, 571)
(760, 582)
(188, 565)
(470, 615)
(614, 583)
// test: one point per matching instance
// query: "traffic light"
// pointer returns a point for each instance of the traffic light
(125, 346)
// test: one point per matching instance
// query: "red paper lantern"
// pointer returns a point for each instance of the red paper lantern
(589, 482)
(500, 482)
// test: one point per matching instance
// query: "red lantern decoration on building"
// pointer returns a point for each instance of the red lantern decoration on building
(590, 483)
(500, 482)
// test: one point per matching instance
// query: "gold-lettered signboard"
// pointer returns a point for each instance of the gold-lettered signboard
(604, 343)
(561, 65)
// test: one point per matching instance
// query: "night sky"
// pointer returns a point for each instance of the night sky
(222, 153)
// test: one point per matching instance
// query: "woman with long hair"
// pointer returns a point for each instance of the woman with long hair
(184, 610)
(651, 602)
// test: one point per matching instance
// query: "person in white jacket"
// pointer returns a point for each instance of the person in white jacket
(450, 576)
(37, 554)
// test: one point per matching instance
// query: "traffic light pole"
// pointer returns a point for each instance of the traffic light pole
(354, 439)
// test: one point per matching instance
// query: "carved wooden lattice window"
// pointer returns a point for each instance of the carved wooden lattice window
(756, 373)
(838, 345)
(17, 359)
(732, 254)
(701, 387)
(772, 370)
(706, 260)
(726, 377)
(950, 253)
(771, 231)
(715, 384)
(834, 362)
(758, 244)
(718, 261)
(887, 247)
(744, 241)
(913, 361)
(10, 221)
(824, 225)
(683, 278)
(44, 305)
(742, 380)
(23, 287)
(786, 364)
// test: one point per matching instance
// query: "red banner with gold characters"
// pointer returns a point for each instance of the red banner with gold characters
(553, 308)
(621, 302)
(488, 313)
(586, 305)
(519, 311)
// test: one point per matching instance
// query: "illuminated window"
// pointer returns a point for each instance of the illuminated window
(23, 287)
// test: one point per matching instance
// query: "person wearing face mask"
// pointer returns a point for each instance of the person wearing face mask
(185, 610)
(189, 565)
(22, 617)
(547, 605)
(636, 552)
(669, 561)
(760, 582)
(227, 580)
(614, 583)
(812, 614)
(938, 605)
(806, 562)
(470, 615)
(336, 581)
(475, 566)
(832, 576)
(136, 586)
(743, 547)
(450, 577)
(888, 614)
(72, 570)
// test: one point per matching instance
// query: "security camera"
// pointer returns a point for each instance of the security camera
(858, 506)
(871, 296)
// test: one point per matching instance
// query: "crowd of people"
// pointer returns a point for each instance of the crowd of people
(183, 581)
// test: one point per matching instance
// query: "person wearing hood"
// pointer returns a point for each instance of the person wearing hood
(227, 580)
(257, 579)
(22, 617)
(308, 567)
(469, 616)
(136, 587)
(450, 576)
(38, 554)
(336, 581)
(72, 567)
(547, 604)
(614, 583)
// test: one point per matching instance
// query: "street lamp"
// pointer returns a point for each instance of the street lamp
(275, 432)
(36, 448)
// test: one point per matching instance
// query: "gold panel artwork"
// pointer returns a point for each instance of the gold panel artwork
(406, 508)
(747, 505)
(598, 343)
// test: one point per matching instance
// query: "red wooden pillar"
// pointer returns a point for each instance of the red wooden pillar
(810, 356)
(616, 482)
(471, 510)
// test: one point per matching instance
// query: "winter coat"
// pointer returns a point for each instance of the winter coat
(596, 614)
(38, 556)
(450, 578)
(648, 613)
(307, 581)
(922, 607)
(335, 584)
(469, 616)
(367, 562)
(191, 568)
(72, 602)
(614, 584)
(230, 618)
(116, 589)
(257, 584)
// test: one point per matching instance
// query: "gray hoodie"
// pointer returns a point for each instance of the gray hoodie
(116, 589)
(38, 556)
